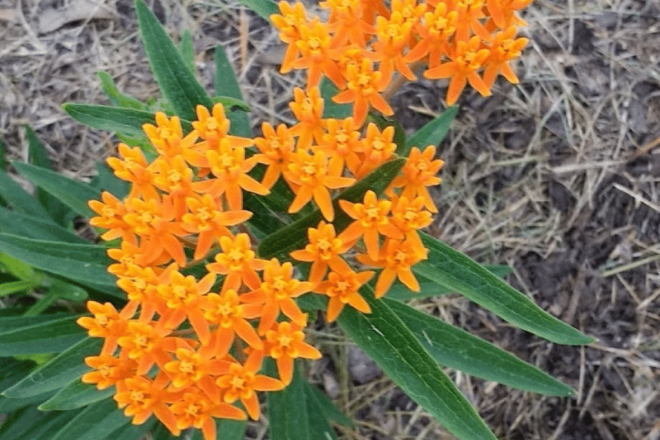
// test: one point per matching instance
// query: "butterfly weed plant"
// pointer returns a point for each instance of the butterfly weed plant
(217, 248)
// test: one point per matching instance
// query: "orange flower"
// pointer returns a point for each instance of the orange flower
(206, 219)
(213, 127)
(315, 55)
(346, 22)
(237, 261)
(370, 221)
(286, 343)
(396, 257)
(107, 323)
(231, 316)
(130, 260)
(311, 173)
(183, 296)
(503, 49)
(154, 222)
(194, 367)
(289, 24)
(108, 370)
(466, 59)
(393, 35)
(141, 288)
(241, 382)
(230, 167)
(276, 293)
(436, 30)
(469, 14)
(322, 251)
(410, 216)
(308, 109)
(111, 212)
(343, 288)
(275, 149)
(197, 410)
(141, 397)
(341, 143)
(167, 137)
(147, 344)
(364, 87)
(135, 169)
(378, 148)
(174, 177)
(419, 172)
(503, 12)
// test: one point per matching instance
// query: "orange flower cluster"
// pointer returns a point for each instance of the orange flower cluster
(185, 349)
(467, 41)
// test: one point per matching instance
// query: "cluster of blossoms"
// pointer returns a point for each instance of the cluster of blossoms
(184, 348)
(467, 41)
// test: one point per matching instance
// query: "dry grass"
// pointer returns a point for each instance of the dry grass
(557, 177)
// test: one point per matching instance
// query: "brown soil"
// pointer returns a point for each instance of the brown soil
(557, 177)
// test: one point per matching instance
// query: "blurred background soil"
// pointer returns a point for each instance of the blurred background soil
(557, 177)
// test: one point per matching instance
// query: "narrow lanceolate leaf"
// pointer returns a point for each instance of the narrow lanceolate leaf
(177, 83)
(455, 348)
(96, 422)
(58, 372)
(432, 133)
(75, 395)
(429, 288)
(227, 429)
(35, 227)
(71, 192)
(187, 49)
(460, 273)
(127, 121)
(287, 411)
(15, 287)
(82, 263)
(325, 405)
(39, 157)
(294, 236)
(18, 199)
(32, 424)
(318, 421)
(117, 98)
(387, 340)
(265, 8)
(226, 84)
(48, 337)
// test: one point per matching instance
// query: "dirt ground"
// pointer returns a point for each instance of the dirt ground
(558, 177)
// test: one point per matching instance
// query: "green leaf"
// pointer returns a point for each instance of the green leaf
(176, 81)
(460, 273)
(294, 236)
(287, 411)
(75, 395)
(82, 263)
(429, 288)
(59, 371)
(12, 371)
(227, 429)
(117, 98)
(32, 424)
(231, 104)
(455, 348)
(226, 84)
(432, 133)
(126, 121)
(264, 8)
(18, 199)
(387, 340)
(324, 404)
(320, 428)
(71, 192)
(96, 422)
(187, 50)
(330, 108)
(48, 337)
(16, 286)
(12, 222)
(18, 269)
